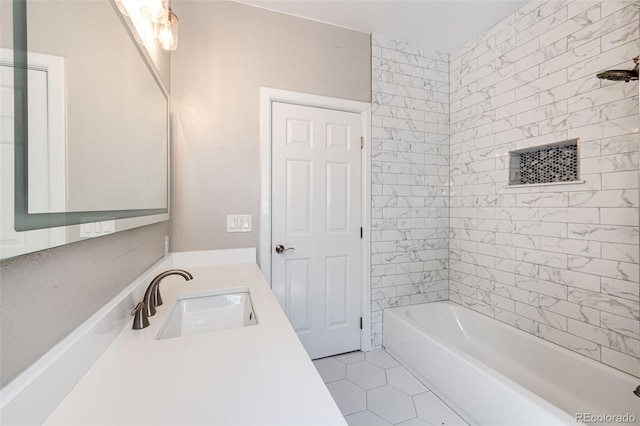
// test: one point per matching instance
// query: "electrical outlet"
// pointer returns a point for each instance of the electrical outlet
(166, 245)
(239, 223)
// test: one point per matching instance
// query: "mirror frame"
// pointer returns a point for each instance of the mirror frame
(71, 221)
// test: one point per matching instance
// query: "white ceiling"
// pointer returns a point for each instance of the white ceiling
(443, 25)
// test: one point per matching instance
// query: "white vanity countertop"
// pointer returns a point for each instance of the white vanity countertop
(256, 375)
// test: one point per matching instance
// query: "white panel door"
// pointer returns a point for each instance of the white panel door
(316, 217)
(12, 242)
(46, 164)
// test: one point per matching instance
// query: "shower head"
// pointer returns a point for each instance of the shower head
(621, 75)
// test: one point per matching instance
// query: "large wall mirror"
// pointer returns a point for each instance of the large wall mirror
(84, 134)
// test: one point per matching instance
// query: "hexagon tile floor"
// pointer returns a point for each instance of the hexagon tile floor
(372, 389)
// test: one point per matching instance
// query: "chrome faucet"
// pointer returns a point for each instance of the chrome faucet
(152, 298)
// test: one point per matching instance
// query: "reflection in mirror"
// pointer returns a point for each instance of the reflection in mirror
(46, 127)
(46, 105)
(84, 125)
(116, 127)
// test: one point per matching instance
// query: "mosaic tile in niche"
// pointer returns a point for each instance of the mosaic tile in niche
(545, 164)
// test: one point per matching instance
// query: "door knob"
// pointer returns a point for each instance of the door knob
(280, 248)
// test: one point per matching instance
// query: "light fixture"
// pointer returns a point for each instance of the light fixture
(167, 35)
(153, 20)
(155, 10)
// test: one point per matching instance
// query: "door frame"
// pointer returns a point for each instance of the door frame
(267, 97)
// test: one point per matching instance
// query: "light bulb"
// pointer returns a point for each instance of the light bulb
(155, 10)
(167, 36)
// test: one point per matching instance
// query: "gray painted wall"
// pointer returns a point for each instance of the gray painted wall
(46, 295)
(227, 51)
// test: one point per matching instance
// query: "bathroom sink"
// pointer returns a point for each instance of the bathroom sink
(207, 313)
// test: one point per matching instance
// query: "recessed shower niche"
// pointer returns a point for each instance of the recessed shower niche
(556, 162)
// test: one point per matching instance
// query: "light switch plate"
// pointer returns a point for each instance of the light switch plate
(238, 223)
(97, 229)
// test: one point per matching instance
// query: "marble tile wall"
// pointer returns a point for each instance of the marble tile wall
(558, 261)
(410, 177)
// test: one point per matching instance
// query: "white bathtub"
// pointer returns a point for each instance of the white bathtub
(494, 374)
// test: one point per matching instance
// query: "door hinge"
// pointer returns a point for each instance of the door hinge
(361, 232)
(361, 142)
(360, 323)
